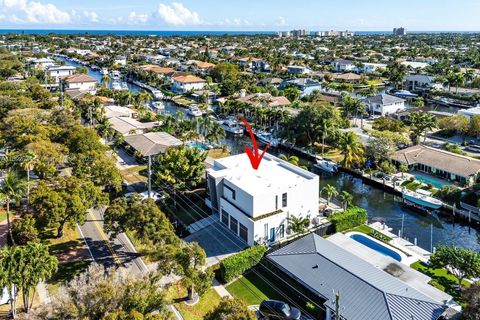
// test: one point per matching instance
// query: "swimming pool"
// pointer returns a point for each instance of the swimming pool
(434, 182)
(198, 145)
(376, 246)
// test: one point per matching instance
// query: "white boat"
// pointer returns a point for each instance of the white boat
(157, 94)
(194, 111)
(266, 138)
(231, 125)
(422, 198)
(326, 165)
(404, 94)
(104, 71)
(124, 86)
(115, 75)
(158, 105)
(116, 85)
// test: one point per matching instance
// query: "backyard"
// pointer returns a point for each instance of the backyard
(176, 294)
(442, 280)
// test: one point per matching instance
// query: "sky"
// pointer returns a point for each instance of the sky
(245, 15)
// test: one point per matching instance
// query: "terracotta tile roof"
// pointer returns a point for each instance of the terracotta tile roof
(265, 99)
(76, 78)
(188, 79)
(157, 69)
(204, 65)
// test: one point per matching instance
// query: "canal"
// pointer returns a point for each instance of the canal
(379, 204)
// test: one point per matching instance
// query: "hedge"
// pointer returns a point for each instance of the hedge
(237, 264)
(350, 218)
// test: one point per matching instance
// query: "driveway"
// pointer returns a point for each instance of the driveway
(217, 241)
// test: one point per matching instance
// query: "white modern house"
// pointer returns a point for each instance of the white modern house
(343, 65)
(418, 81)
(255, 204)
(80, 82)
(369, 67)
(384, 104)
(182, 84)
(298, 70)
(60, 71)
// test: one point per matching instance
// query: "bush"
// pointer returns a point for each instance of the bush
(350, 218)
(236, 265)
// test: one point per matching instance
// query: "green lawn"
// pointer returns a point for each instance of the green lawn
(66, 272)
(134, 174)
(411, 185)
(3, 215)
(176, 293)
(252, 289)
(441, 279)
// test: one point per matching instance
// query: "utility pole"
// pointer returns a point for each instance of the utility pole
(149, 175)
(403, 219)
(337, 305)
(431, 237)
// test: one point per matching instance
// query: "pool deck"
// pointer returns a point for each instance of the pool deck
(400, 270)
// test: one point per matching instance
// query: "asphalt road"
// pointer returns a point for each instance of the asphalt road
(115, 253)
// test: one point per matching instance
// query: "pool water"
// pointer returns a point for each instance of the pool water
(434, 182)
(198, 145)
(383, 250)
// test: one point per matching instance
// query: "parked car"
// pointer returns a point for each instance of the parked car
(278, 310)
(144, 195)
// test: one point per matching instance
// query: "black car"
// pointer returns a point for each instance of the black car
(273, 309)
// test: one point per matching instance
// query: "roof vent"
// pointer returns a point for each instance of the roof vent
(315, 266)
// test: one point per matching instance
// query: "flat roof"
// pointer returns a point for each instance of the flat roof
(272, 174)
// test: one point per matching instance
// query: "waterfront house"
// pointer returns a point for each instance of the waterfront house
(325, 268)
(470, 112)
(182, 84)
(56, 72)
(152, 143)
(81, 82)
(343, 66)
(305, 85)
(439, 163)
(368, 67)
(348, 77)
(384, 104)
(415, 65)
(127, 126)
(418, 82)
(298, 70)
(255, 204)
(113, 111)
(263, 100)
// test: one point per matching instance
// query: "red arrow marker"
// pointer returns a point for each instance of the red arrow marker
(254, 158)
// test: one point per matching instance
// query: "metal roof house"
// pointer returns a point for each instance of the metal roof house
(384, 104)
(365, 292)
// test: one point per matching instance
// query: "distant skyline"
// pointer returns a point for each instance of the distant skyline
(246, 15)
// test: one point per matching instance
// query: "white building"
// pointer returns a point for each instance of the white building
(255, 204)
(343, 65)
(298, 70)
(418, 81)
(384, 104)
(416, 65)
(182, 84)
(120, 60)
(60, 71)
(80, 82)
(369, 67)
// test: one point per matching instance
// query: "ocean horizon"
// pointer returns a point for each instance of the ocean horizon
(187, 33)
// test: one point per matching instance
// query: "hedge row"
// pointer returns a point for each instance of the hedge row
(237, 264)
(350, 218)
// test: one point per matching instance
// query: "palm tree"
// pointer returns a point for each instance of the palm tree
(28, 163)
(291, 159)
(12, 190)
(215, 132)
(298, 225)
(352, 150)
(421, 123)
(330, 191)
(104, 128)
(105, 80)
(346, 199)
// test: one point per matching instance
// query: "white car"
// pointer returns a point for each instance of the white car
(144, 195)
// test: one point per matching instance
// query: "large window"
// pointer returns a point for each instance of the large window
(224, 217)
(243, 232)
(234, 225)
(265, 231)
(232, 192)
(284, 200)
(281, 231)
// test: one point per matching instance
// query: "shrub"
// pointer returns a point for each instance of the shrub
(350, 218)
(236, 265)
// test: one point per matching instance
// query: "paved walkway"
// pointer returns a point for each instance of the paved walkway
(220, 289)
(202, 223)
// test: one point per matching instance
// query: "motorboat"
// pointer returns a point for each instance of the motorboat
(157, 94)
(326, 165)
(158, 105)
(104, 71)
(404, 94)
(116, 85)
(422, 198)
(266, 138)
(194, 111)
(231, 125)
(123, 86)
(115, 75)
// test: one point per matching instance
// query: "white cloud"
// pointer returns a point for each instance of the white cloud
(137, 18)
(92, 16)
(177, 14)
(281, 21)
(33, 12)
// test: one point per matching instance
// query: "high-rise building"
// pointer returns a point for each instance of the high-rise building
(399, 31)
(332, 33)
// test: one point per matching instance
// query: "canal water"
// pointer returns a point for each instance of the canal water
(429, 230)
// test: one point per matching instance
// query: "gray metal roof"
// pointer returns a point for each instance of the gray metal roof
(383, 99)
(152, 143)
(366, 292)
